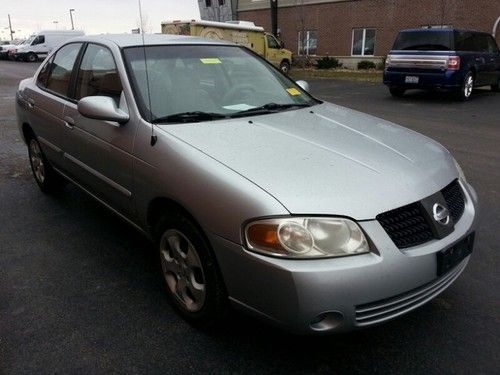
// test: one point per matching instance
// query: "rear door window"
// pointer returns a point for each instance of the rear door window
(465, 41)
(424, 41)
(481, 42)
(61, 68)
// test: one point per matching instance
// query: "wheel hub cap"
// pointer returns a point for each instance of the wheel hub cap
(183, 270)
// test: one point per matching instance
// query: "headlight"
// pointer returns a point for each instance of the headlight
(461, 174)
(306, 237)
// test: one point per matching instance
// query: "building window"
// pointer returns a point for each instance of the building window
(208, 3)
(363, 42)
(221, 2)
(308, 42)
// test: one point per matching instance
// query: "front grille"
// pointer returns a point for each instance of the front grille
(454, 199)
(408, 226)
(382, 310)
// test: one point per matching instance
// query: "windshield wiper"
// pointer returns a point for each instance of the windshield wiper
(269, 108)
(194, 116)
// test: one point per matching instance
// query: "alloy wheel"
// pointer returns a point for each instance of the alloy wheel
(469, 84)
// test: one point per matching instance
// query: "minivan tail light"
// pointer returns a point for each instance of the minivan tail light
(454, 62)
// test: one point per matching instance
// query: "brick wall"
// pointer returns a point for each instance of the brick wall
(334, 22)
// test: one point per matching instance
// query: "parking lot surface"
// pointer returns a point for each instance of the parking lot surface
(80, 291)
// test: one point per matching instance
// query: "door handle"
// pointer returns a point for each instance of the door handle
(69, 122)
(31, 103)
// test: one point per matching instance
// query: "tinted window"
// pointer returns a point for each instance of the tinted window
(424, 41)
(98, 74)
(61, 68)
(481, 42)
(492, 45)
(464, 41)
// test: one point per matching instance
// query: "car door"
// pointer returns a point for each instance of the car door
(481, 57)
(46, 100)
(97, 154)
(493, 60)
(39, 46)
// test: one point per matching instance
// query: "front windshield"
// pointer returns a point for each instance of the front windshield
(29, 40)
(223, 81)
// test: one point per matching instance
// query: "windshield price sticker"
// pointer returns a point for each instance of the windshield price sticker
(212, 60)
(293, 91)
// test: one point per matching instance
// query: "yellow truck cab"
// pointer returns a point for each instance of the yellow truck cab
(244, 33)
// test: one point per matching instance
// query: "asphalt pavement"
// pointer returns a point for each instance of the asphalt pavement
(80, 291)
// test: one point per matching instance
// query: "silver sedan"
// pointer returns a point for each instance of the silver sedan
(312, 216)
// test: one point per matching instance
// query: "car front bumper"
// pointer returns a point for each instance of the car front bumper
(340, 294)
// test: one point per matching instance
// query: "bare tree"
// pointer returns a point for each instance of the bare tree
(145, 26)
(302, 21)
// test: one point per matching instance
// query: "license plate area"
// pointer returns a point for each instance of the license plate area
(411, 79)
(449, 258)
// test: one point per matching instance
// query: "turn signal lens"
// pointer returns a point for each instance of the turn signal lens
(306, 237)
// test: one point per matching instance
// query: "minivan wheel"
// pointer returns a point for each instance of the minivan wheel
(31, 57)
(397, 92)
(192, 279)
(465, 91)
(45, 176)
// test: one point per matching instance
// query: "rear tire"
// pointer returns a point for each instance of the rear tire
(397, 92)
(192, 279)
(48, 180)
(465, 91)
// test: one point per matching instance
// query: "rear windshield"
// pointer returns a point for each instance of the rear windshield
(424, 41)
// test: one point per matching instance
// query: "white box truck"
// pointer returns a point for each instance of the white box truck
(41, 43)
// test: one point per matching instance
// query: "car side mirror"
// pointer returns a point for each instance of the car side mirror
(282, 44)
(303, 85)
(102, 108)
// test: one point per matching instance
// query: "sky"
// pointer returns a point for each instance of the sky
(91, 16)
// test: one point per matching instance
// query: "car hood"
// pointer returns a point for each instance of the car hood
(326, 159)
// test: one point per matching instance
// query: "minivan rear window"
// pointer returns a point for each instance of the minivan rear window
(424, 41)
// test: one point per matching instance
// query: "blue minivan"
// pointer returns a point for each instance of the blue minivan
(451, 59)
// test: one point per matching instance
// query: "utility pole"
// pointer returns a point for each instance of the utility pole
(10, 29)
(274, 16)
(71, 16)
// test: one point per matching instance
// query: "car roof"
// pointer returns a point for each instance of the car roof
(446, 29)
(133, 40)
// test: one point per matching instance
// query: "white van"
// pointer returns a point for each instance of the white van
(40, 44)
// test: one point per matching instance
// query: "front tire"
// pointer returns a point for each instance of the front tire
(285, 67)
(45, 176)
(190, 272)
(465, 91)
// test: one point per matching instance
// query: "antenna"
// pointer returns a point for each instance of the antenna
(154, 138)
